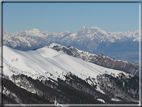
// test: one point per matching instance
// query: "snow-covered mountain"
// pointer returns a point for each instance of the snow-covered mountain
(45, 75)
(29, 38)
(99, 59)
(93, 40)
(47, 62)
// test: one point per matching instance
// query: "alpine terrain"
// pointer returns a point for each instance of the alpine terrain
(117, 45)
(60, 75)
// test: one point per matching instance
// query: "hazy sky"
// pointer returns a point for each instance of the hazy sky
(59, 17)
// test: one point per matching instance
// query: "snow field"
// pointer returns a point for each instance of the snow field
(49, 63)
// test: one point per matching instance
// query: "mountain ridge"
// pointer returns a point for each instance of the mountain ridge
(99, 59)
(93, 40)
(109, 35)
(48, 75)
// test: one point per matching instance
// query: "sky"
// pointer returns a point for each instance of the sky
(59, 17)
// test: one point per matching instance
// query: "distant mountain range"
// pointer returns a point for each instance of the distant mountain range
(118, 45)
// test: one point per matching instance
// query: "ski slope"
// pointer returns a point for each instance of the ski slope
(47, 62)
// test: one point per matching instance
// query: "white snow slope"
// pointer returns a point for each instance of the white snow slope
(48, 63)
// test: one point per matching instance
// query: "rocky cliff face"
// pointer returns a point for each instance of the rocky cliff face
(99, 59)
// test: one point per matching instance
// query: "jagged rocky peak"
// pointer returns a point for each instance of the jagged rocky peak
(82, 31)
